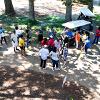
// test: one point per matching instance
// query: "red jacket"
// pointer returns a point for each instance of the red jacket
(44, 43)
(51, 42)
(97, 32)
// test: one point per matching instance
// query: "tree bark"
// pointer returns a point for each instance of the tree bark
(31, 9)
(9, 9)
(68, 16)
(90, 5)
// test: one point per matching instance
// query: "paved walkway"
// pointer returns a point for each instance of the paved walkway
(80, 68)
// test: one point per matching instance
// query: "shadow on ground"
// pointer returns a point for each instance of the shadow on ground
(30, 84)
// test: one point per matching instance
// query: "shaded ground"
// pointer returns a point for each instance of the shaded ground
(81, 69)
(19, 85)
(83, 75)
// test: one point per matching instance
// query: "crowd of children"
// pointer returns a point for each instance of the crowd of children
(52, 47)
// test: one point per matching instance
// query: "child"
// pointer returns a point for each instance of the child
(14, 41)
(57, 44)
(55, 58)
(65, 53)
(87, 44)
(22, 44)
(2, 36)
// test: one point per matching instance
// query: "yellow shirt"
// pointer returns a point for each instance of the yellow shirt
(84, 37)
(21, 42)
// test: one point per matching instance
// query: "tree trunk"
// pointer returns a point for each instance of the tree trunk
(90, 5)
(31, 9)
(9, 10)
(68, 16)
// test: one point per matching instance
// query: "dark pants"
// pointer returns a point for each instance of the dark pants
(86, 48)
(55, 63)
(43, 63)
(27, 43)
(96, 40)
(3, 38)
(50, 48)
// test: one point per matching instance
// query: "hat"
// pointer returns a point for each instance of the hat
(51, 36)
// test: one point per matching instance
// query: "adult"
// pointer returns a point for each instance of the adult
(50, 43)
(87, 44)
(65, 53)
(77, 39)
(14, 41)
(28, 37)
(43, 53)
(44, 42)
(69, 33)
(97, 36)
(40, 35)
(52, 32)
(58, 44)
(2, 35)
(55, 58)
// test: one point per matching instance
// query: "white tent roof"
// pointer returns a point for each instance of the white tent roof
(86, 12)
(77, 23)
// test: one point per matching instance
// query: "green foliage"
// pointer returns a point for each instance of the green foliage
(17, 20)
(97, 17)
(53, 21)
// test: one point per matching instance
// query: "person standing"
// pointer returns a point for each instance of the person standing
(65, 53)
(50, 43)
(87, 44)
(43, 53)
(22, 44)
(77, 39)
(18, 32)
(14, 41)
(57, 44)
(2, 36)
(28, 37)
(44, 42)
(55, 58)
(97, 36)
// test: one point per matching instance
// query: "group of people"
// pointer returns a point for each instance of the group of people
(51, 47)
(18, 39)
(54, 48)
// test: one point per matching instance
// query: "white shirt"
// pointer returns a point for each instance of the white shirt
(18, 32)
(54, 55)
(57, 44)
(44, 53)
(15, 41)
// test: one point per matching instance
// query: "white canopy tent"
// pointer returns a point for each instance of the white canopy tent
(75, 24)
(86, 12)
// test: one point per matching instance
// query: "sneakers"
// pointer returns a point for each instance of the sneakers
(55, 69)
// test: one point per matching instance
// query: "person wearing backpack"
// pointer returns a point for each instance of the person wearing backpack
(97, 36)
